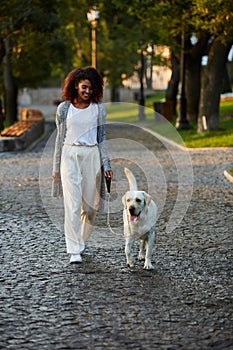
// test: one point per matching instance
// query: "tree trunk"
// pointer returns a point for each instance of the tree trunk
(226, 83)
(211, 86)
(1, 116)
(229, 67)
(10, 91)
(193, 76)
(172, 89)
(148, 72)
(114, 94)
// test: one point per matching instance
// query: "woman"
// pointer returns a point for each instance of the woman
(80, 153)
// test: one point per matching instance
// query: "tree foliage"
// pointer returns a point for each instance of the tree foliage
(42, 41)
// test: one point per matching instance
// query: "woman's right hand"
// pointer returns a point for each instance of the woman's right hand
(56, 177)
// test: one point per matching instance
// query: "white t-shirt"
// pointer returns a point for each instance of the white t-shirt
(82, 126)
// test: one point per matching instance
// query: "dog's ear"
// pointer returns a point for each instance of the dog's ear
(147, 198)
(124, 200)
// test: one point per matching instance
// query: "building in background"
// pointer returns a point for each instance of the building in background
(160, 74)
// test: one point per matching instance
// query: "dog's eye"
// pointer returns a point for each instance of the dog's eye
(138, 200)
(128, 200)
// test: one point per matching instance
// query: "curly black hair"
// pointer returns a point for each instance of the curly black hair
(69, 92)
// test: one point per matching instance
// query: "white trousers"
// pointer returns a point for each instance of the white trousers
(81, 177)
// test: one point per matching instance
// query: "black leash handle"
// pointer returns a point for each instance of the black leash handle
(108, 183)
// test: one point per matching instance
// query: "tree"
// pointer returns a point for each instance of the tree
(175, 23)
(120, 37)
(115, 57)
(43, 41)
(216, 18)
(212, 86)
(130, 26)
(194, 54)
(32, 45)
(211, 22)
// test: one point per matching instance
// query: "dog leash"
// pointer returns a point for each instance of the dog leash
(108, 184)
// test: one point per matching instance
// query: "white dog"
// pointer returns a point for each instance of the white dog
(139, 216)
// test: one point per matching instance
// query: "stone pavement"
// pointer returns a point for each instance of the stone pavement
(184, 303)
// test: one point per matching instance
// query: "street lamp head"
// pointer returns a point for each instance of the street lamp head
(93, 14)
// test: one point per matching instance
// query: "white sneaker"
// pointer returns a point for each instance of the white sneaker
(75, 258)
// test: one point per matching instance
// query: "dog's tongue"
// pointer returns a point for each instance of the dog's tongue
(133, 218)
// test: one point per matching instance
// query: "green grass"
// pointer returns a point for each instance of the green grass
(122, 112)
(221, 138)
(128, 113)
(157, 97)
(226, 107)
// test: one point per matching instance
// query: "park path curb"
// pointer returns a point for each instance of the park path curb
(37, 131)
(228, 176)
(166, 140)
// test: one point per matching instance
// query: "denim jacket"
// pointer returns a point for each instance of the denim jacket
(61, 115)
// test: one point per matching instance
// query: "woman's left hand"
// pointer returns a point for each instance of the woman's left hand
(108, 174)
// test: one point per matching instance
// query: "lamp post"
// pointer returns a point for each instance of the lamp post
(182, 122)
(93, 16)
(141, 106)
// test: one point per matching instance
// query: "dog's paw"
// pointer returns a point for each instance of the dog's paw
(130, 260)
(141, 257)
(148, 266)
(130, 263)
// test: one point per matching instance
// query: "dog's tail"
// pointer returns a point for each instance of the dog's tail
(132, 181)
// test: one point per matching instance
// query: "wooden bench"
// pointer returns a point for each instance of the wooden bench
(24, 132)
(29, 118)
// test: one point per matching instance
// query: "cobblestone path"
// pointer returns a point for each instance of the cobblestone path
(184, 303)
